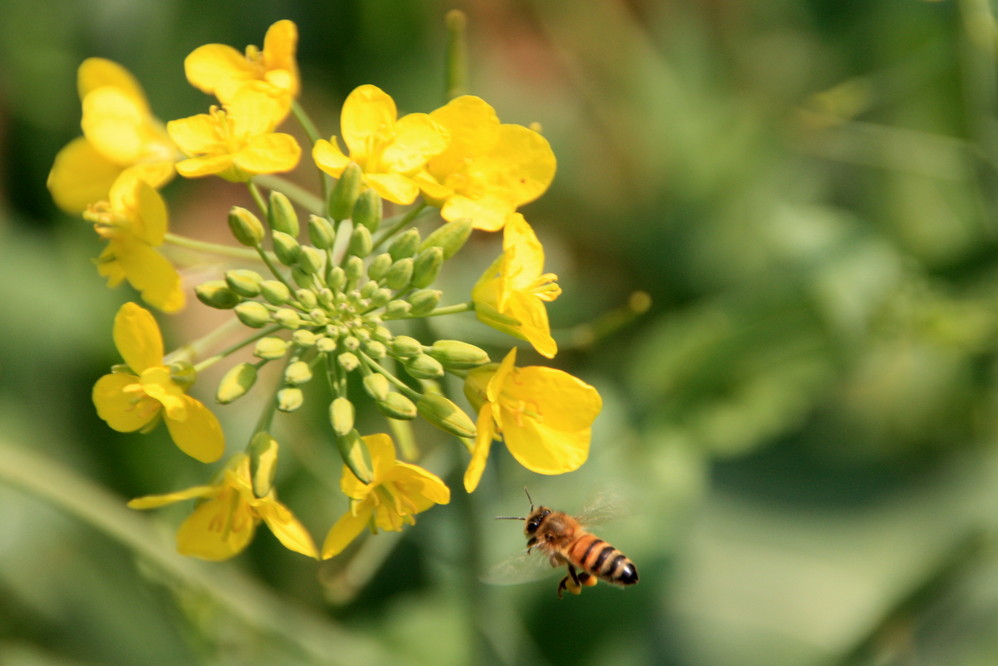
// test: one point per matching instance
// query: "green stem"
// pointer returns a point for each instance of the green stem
(212, 360)
(403, 222)
(296, 193)
(257, 197)
(196, 348)
(313, 136)
(404, 388)
(214, 248)
(439, 312)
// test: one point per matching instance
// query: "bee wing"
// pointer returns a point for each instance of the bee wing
(601, 508)
(522, 568)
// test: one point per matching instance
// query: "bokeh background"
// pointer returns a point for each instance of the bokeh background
(801, 429)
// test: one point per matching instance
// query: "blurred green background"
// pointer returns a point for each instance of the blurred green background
(802, 427)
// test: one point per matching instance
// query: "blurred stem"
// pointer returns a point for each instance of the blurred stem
(261, 203)
(296, 193)
(457, 54)
(585, 335)
(403, 221)
(194, 349)
(213, 248)
(212, 360)
(450, 309)
(235, 592)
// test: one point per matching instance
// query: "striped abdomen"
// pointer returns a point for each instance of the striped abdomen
(598, 558)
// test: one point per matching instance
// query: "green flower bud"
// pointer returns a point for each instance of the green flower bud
(377, 386)
(286, 247)
(397, 308)
(275, 292)
(263, 462)
(341, 416)
(270, 348)
(348, 361)
(444, 414)
(290, 398)
(381, 297)
(381, 334)
(397, 406)
(245, 226)
(310, 259)
(325, 345)
(351, 343)
(336, 278)
(404, 347)
(182, 373)
(306, 298)
(375, 349)
(368, 288)
(404, 245)
(287, 318)
(424, 300)
(450, 237)
(379, 266)
(244, 282)
(239, 379)
(301, 277)
(427, 267)
(399, 274)
(367, 210)
(354, 270)
(424, 367)
(318, 316)
(303, 337)
(360, 241)
(345, 193)
(321, 232)
(457, 355)
(281, 214)
(216, 294)
(297, 373)
(253, 313)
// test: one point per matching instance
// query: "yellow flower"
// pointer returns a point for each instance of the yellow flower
(489, 169)
(133, 221)
(544, 415)
(395, 494)
(119, 134)
(510, 295)
(221, 70)
(224, 521)
(133, 399)
(389, 150)
(238, 140)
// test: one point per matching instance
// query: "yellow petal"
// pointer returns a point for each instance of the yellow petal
(567, 402)
(137, 337)
(522, 163)
(216, 530)
(346, 529)
(197, 167)
(527, 253)
(257, 109)
(421, 486)
(151, 274)
(288, 530)
(382, 452)
(417, 138)
(367, 119)
(474, 129)
(480, 454)
(196, 135)
(279, 47)
(217, 69)
(156, 501)
(328, 157)
(393, 186)
(97, 73)
(487, 212)
(533, 318)
(546, 450)
(124, 411)
(269, 153)
(200, 434)
(113, 123)
(80, 176)
(151, 212)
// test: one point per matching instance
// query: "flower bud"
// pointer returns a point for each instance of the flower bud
(404, 347)
(382, 334)
(286, 247)
(376, 385)
(336, 278)
(348, 361)
(183, 374)
(379, 266)
(244, 282)
(318, 316)
(216, 294)
(399, 274)
(354, 270)
(245, 226)
(303, 337)
(253, 314)
(368, 288)
(457, 355)
(424, 300)
(424, 367)
(321, 232)
(270, 348)
(381, 297)
(287, 318)
(444, 414)
(302, 278)
(290, 398)
(397, 308)
(275, 292)
(427, 266)
(281, 214)
(375, 349)
(345, 192)
(239, 379)
(367, 210)
(306, 298)
(263, 462)
(310, 259)
(360, 241)
(404, 245)
(397, 406)
(476, 385)
(450, 237)
(325, 344)
(297, 373)
(341, 416)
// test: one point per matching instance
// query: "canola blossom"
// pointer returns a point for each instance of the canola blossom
(321, 287)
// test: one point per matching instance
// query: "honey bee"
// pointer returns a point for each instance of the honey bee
(564, 541)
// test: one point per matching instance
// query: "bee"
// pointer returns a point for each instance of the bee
(565, 542)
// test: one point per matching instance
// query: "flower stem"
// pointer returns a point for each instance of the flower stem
(212, 360)
(404, 221)
(214, 248)
(439, 312)
(257, 197)
(296, 193)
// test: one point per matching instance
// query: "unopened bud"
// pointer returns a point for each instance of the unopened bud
(290, 398)
(310, 259)
(321, 232)
(377, 386)
(450, 237)
(399, 274)
(424, 367)
(354, 270)
(239, 379)
(281, 214)
(244, 282)
(397, 308)
(245, 226)
(263, 462)
(444, 414)
(457, 355)
(336, 278)
(381, 297)
(306, 298)
(404, 346)
(253, 313)
(302, 278)
(404, 245)
(275, 292)
(379, 266)
(217, 294)
(397, 406)
(341, 416)
(270, 348)
(303, 337)
(348, 361)
(298, 373)
(183, 374)
(345, 192)
(360, 241)
(367, 210)
(424, 300)
(427, 267)
(375, 349)
(286, 247)
(287, 318)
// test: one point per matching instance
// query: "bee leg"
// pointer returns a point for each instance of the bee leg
(570, 582)
(587, 579)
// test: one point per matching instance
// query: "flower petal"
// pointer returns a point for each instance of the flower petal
(113, 123)
(216, 530)
(195, 135)
(346, 529)
(480, 454)
(156, 501)
(124, 411)
(197, 167)
(288, 530)
(80, 176)
(279, 47)
(328, 157)
(137, 337)
(151, 274)
(393, 186)
(200, 434)
(97, 73)
(217, 69)
(546, 450)
(268, 153)
(367, 119)
(418, 137)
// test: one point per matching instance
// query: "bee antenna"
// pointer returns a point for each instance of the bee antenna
(528, 498)
(509, 518)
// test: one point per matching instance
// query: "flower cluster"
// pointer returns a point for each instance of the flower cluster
(326, 286)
